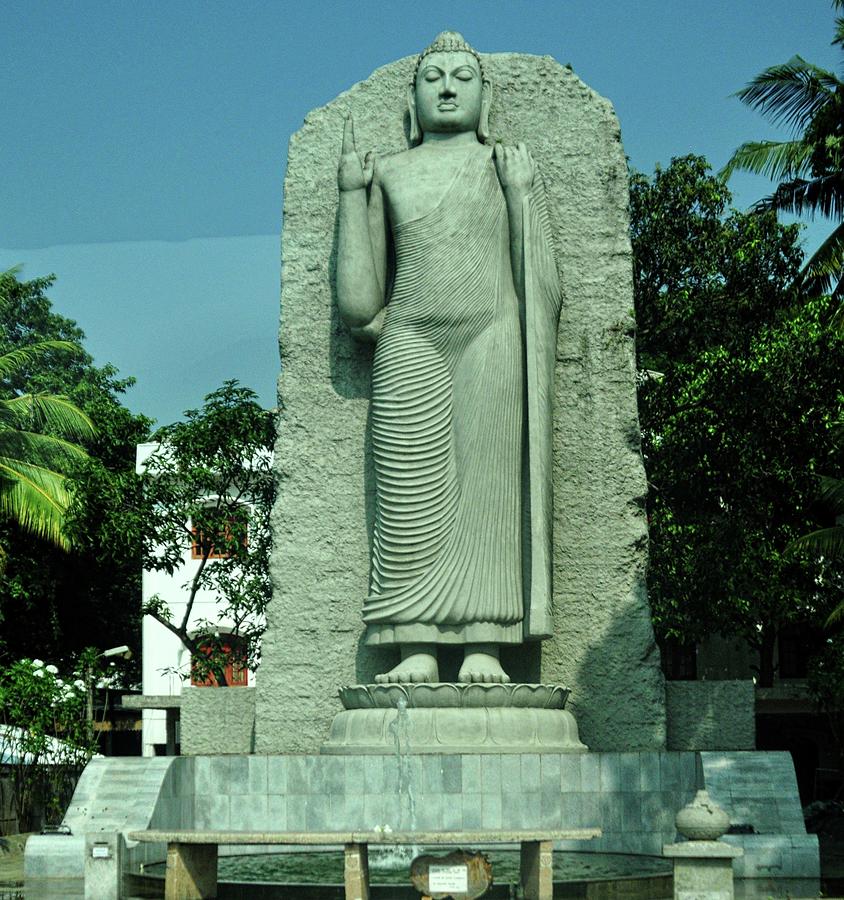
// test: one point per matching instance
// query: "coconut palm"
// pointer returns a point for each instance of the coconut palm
(809, 168)
(37, 449)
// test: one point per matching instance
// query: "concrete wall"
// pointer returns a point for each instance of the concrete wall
(217, 720)
(711, 715)
(603, 647)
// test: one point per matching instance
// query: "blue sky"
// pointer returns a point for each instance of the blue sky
(144, 143)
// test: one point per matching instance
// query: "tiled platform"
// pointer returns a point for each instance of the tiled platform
(632, 797)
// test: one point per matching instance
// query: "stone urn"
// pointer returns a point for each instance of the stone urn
(702, 819)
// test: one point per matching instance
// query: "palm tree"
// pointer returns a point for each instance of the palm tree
(37, 431)
(810, 167)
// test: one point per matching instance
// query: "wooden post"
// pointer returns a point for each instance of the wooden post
(191, 872)
(537, 870)
(356, 872)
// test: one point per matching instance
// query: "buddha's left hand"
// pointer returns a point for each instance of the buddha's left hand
(515, 167)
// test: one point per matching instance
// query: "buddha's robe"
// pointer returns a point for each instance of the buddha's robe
(461, 549)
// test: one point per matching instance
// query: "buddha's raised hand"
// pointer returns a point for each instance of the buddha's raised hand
(515, 167)
(352, 174)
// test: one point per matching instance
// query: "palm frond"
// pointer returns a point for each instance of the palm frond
(832, 493)
(826, 542)
(825, 267)
(791, 93)
(776, 159)
(824, 195)
(33, 490)
(45, 450)
(52, 411)
(839, 27)
(16, 359)
(36, 498)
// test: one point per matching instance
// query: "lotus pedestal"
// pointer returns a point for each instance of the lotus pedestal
(453, 718)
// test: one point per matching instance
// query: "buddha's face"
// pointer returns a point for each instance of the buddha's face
(448, 92)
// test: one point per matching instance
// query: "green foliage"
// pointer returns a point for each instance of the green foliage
(737, 410)
(53, 602)
(207, 491)
(46, 738)
(702, 277)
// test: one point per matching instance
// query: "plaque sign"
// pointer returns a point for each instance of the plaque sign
(448, 878)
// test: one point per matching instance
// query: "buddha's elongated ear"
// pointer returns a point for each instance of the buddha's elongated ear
(486, 102)
(415, 130)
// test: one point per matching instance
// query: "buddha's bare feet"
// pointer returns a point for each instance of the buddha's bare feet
(413, 668)
(480, 666)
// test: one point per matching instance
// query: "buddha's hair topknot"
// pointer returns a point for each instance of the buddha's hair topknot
(448, 42)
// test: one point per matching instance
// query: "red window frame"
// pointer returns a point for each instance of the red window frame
(198, 544)
(237, 675)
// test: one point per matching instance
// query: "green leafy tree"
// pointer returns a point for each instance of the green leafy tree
(206, 495)
(741, 390)
(810, 167)
(52, 602)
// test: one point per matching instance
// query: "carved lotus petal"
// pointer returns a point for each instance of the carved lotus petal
(380, 696)
(557, 697)
(528, 695)
(487, 695)
(441, 695)
(387, 696)
(356, 696)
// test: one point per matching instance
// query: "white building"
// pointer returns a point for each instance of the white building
(166, 662)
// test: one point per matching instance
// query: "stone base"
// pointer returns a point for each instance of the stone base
(703, 869)
(453, 730)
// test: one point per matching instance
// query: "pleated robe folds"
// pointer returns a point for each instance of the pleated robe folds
(462, 539)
